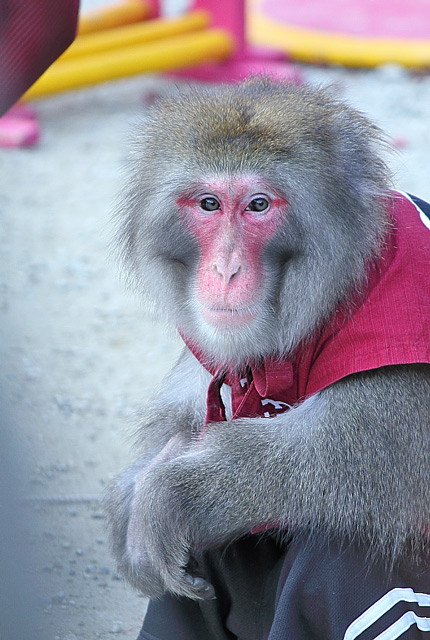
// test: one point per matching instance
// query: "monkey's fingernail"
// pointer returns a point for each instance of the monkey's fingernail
(195, 582)
(204, 588)
(208, 593)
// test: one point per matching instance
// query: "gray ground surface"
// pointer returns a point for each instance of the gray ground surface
(79, 355)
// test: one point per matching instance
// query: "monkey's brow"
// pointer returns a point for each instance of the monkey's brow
(194, 189)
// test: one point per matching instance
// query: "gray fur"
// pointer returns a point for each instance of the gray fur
(317, 152)
(350, 462)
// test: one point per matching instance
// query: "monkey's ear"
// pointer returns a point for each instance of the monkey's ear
(362, 150)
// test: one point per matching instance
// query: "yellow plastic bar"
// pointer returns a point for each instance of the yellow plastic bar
(135, 34)
(322, 47)
(172, 53)
(125, 12)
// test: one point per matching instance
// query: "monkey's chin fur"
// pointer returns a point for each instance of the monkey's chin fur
(227, 317)
(247, 338)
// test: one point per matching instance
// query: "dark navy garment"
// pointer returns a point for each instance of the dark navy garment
(297, 591)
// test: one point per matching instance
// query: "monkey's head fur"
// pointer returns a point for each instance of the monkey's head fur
(251, 213)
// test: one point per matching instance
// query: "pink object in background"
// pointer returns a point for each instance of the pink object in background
(408, 19)
(19, 127)
(247, 60)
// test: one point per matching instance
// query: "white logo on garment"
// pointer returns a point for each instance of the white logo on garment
(382, 606)
(277, 405)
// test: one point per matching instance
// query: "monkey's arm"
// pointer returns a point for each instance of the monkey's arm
(167, 428)
(351, 460)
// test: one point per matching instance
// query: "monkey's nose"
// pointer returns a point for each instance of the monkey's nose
(228, 269)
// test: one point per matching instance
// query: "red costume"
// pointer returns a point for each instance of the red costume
(390, 325)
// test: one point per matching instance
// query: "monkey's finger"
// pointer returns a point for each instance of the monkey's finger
(201, 588)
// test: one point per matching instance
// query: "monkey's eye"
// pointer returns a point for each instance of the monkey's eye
(209, 204)
(258, 205)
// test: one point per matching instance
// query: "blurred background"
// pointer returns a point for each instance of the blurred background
(79, 354)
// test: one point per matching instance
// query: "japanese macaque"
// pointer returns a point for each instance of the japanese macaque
(258, 220)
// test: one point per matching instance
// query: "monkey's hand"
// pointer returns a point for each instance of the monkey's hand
(212, 494)
(124, 503)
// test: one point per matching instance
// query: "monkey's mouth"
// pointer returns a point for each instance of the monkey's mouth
(228, 316)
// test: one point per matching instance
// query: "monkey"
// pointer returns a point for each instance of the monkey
(259, 220)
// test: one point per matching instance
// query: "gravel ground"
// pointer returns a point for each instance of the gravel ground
(80, 355)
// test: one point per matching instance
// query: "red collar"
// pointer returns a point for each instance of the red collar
(268, 379)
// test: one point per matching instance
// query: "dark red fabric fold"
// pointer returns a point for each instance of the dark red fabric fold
(33, 34)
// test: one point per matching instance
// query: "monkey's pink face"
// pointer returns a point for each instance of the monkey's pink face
(232, 221)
